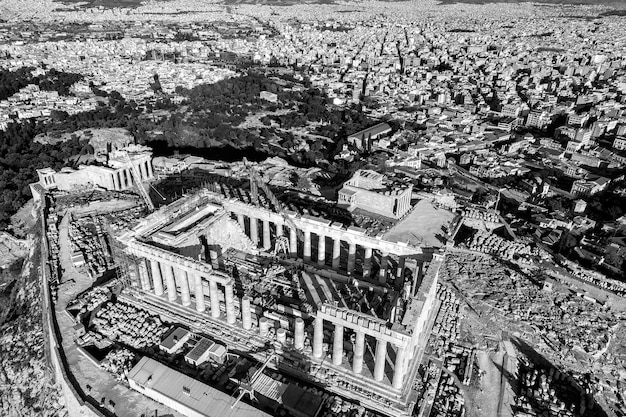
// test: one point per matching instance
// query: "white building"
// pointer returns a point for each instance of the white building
(184, 394)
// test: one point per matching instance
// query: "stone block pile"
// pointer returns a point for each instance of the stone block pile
(449, 401)
(447, 324)
(486, 216)
(540, 394)
(486, 242)
(129, 325)
(118, 362)
(84, 238)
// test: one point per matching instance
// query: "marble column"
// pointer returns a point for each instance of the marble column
(241, 220)
(199, 291)
(351, 257)
(359, 349)
(183, 282)
(214, 256)
(380, 360)
(338, 345)
(215, 301)
(170, 282)
(117, 181)
(246, 314)
(267, 242)
(293, 243)
(318, 337)
(400, 272)
(321, 250)
(336, 253)
(367, 263)
(307, 246)
(157, 279)
(264, 326)
(298, 339)
(254, 231)
(143, 275)
(229, 298)
(382, 273)
(399, 368)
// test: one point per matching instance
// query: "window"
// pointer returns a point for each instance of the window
(186, 390)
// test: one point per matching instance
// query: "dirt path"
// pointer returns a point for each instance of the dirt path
(128, 402)
(488, 396)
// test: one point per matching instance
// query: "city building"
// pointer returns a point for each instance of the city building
(364, 138)
(367, 190)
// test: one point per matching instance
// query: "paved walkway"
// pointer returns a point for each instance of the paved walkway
(127, 402)
(421, 226)
(489, 395)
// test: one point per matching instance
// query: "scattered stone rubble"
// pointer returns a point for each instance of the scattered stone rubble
(562, 319)
(569, 330)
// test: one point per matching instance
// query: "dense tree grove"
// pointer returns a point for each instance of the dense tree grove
(13, 81)
(210, 114)
(20, 157)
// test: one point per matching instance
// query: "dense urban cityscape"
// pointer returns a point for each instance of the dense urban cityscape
(337, 208)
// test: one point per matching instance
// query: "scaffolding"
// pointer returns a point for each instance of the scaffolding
(123, 263)
(142, 191)
(256, 182)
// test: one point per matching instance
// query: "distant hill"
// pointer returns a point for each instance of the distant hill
(619, 4)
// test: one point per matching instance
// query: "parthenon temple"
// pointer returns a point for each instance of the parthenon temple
(339, 307)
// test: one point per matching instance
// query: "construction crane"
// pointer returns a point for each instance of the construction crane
(137, 178)
(248, 387)
(256, 182)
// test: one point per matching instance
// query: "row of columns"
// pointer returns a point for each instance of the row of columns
(168, 278)
(380, 357)
(265, 243)
(123, 177)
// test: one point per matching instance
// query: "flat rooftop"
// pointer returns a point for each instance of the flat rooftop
(200, 397)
